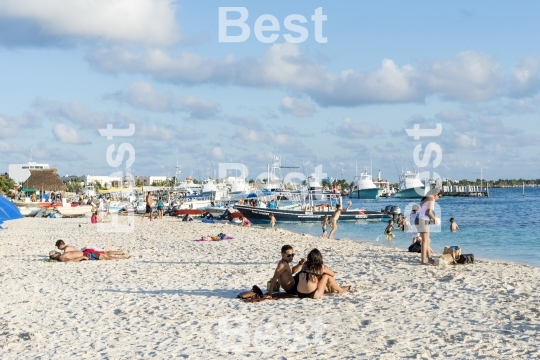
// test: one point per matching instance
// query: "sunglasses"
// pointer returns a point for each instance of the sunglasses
(289, 255)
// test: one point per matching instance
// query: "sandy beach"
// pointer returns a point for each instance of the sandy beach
(176, 298)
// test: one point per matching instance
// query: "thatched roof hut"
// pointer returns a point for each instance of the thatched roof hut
(45, 179)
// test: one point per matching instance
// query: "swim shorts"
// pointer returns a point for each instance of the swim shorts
(92, 256)
(148, 209)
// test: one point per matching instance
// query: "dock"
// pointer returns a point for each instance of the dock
(469, 190)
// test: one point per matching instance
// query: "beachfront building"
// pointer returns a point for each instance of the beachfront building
(105, 182)
(20, 172)
(150, 180)
(44, 180)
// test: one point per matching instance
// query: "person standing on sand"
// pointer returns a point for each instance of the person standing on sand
(160, 208)
(325, 223)
(284, 272)
(335, 218)
(272, 221)
(453, 225)
(148, 206)
(425, 216)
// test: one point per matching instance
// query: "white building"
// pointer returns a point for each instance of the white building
(106, 182)
(20, 172)
(149, 180)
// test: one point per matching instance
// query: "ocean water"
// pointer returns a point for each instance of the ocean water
(504, 226)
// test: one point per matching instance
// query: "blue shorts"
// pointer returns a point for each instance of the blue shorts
(93, 256)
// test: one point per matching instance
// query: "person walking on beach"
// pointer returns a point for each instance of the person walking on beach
(148, 205)
(272, 221)
(284, 272)
(335, 218)
(315, 278)
(425, 216)
(453, 225)
(325, 223)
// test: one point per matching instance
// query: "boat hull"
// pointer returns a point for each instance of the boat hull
(256, 214)
(412, 193)
(372, 193)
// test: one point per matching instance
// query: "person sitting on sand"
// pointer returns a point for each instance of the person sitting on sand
(314, 278)
(244, 222)
(187, 217)
(453, 225)
(88, 254)
(94, 218)
(284, 273)
(388, 230)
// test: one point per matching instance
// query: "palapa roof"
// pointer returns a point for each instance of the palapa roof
(45, 179)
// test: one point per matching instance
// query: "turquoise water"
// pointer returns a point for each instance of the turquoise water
(504, 226)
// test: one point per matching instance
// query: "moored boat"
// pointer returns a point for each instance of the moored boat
(411, 187)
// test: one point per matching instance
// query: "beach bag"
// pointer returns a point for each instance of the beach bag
(416, 247)
(447, 259)
(253, 295)
(455, 251)
(466, 259)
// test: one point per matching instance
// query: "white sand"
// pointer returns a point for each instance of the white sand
(176, 299)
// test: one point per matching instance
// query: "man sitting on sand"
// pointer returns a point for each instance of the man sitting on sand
(284, 273)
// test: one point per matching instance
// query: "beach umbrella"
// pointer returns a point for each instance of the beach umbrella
(8, 210)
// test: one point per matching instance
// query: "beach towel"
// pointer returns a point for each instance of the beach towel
(208, 221)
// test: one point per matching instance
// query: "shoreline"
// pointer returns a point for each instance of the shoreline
(176, 298)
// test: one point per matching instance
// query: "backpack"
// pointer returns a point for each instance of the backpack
(416, 247)
(466, 259)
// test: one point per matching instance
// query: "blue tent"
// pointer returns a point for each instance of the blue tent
(8, 210)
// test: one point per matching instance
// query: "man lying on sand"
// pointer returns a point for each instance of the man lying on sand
(71, 253)
(78, 255)
(284, 273)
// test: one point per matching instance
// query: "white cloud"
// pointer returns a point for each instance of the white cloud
(525, 80)
(470, 76)
(67, 135)
(141, 95)
(297, 107)
(75, 112)
(216, 153)
(150, 22)
(350, 129)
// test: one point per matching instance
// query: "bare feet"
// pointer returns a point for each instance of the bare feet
(345, 289)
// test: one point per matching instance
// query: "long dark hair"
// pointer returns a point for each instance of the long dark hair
(314, 265)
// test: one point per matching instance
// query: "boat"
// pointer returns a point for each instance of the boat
(311, 212)
(364, 187)
(79, 210)
(29, 210)
(411, 187)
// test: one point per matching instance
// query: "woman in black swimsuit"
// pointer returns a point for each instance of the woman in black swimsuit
(315, 277)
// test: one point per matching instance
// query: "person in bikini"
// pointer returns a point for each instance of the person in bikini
(284, 272)
(425, 217)
(315, 278)
(335, 218)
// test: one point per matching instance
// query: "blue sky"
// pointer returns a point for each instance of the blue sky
(68, 69)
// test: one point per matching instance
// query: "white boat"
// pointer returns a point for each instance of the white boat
(28, 210)
(80, 210)
(364, 187)
(411, 187)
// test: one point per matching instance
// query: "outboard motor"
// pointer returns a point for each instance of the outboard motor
(388, 209)
(395, 211)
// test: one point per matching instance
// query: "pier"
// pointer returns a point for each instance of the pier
(469, 190)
